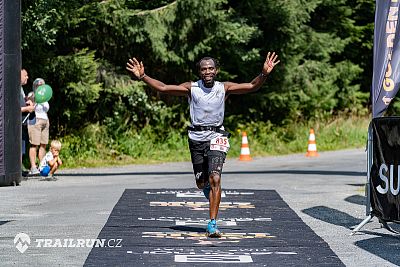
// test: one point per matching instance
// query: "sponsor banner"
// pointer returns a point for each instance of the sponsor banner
(385, 80)
(186, 221)
(202, 205)
(202, 235)
(214, 258)
(385, 169)
(203, 221)
(196, 193)
(215, 255)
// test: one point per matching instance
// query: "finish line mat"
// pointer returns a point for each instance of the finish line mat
(167, 228)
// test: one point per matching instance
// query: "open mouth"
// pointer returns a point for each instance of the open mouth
(208, 77)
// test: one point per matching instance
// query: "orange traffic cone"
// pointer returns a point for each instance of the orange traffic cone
(312, 145)
(245, 150)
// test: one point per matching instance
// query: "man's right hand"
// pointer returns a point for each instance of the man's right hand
(29, 108)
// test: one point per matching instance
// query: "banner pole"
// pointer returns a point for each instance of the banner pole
(370, 148)
(367, 185)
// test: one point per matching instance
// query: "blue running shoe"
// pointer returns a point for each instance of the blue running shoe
(206, 190)
(212, 229)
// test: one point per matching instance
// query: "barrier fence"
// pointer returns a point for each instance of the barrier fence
(383, 172)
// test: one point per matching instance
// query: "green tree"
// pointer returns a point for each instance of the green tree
(81, 47)
(316, 79)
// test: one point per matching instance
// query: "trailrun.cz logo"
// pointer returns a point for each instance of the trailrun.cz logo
(22, 241)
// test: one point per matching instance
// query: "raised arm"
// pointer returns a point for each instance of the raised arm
(243, 88)
(137, 69)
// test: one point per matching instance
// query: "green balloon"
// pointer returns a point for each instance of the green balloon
(43, 93)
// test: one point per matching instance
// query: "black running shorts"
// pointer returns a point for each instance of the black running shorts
(204, 160)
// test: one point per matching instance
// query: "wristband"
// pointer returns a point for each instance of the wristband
(142, 76)
(263, 75)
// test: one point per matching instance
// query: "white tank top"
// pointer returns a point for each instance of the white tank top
(40, 112)
(207, 107)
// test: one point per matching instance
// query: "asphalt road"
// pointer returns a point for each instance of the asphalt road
(326, 192)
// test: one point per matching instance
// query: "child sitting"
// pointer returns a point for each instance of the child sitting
(51, 161)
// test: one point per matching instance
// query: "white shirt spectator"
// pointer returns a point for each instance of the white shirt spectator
(40, 112)
(45, 160)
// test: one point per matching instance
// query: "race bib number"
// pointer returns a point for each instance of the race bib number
(220, 143)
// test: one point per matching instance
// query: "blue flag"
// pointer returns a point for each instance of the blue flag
(385, 79)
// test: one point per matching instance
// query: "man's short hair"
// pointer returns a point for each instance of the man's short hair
(216, 63)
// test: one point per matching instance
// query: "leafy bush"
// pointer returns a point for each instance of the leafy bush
(94, 146)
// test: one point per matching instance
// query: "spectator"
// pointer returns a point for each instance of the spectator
(27, 106)
(38, 129)
(51, 161)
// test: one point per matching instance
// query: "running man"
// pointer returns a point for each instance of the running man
(208, 140)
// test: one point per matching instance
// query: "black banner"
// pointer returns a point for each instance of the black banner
(2, 93)
(10, 82)
(385, 170)
(385, 80)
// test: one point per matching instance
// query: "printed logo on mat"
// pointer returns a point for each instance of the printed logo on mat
(203, 205)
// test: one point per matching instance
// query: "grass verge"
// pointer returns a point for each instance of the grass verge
(95, 148)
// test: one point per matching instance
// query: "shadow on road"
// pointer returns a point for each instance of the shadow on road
(188, 229)
(4, 222)
(332, 216)
(386, 246)
(356, 199)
